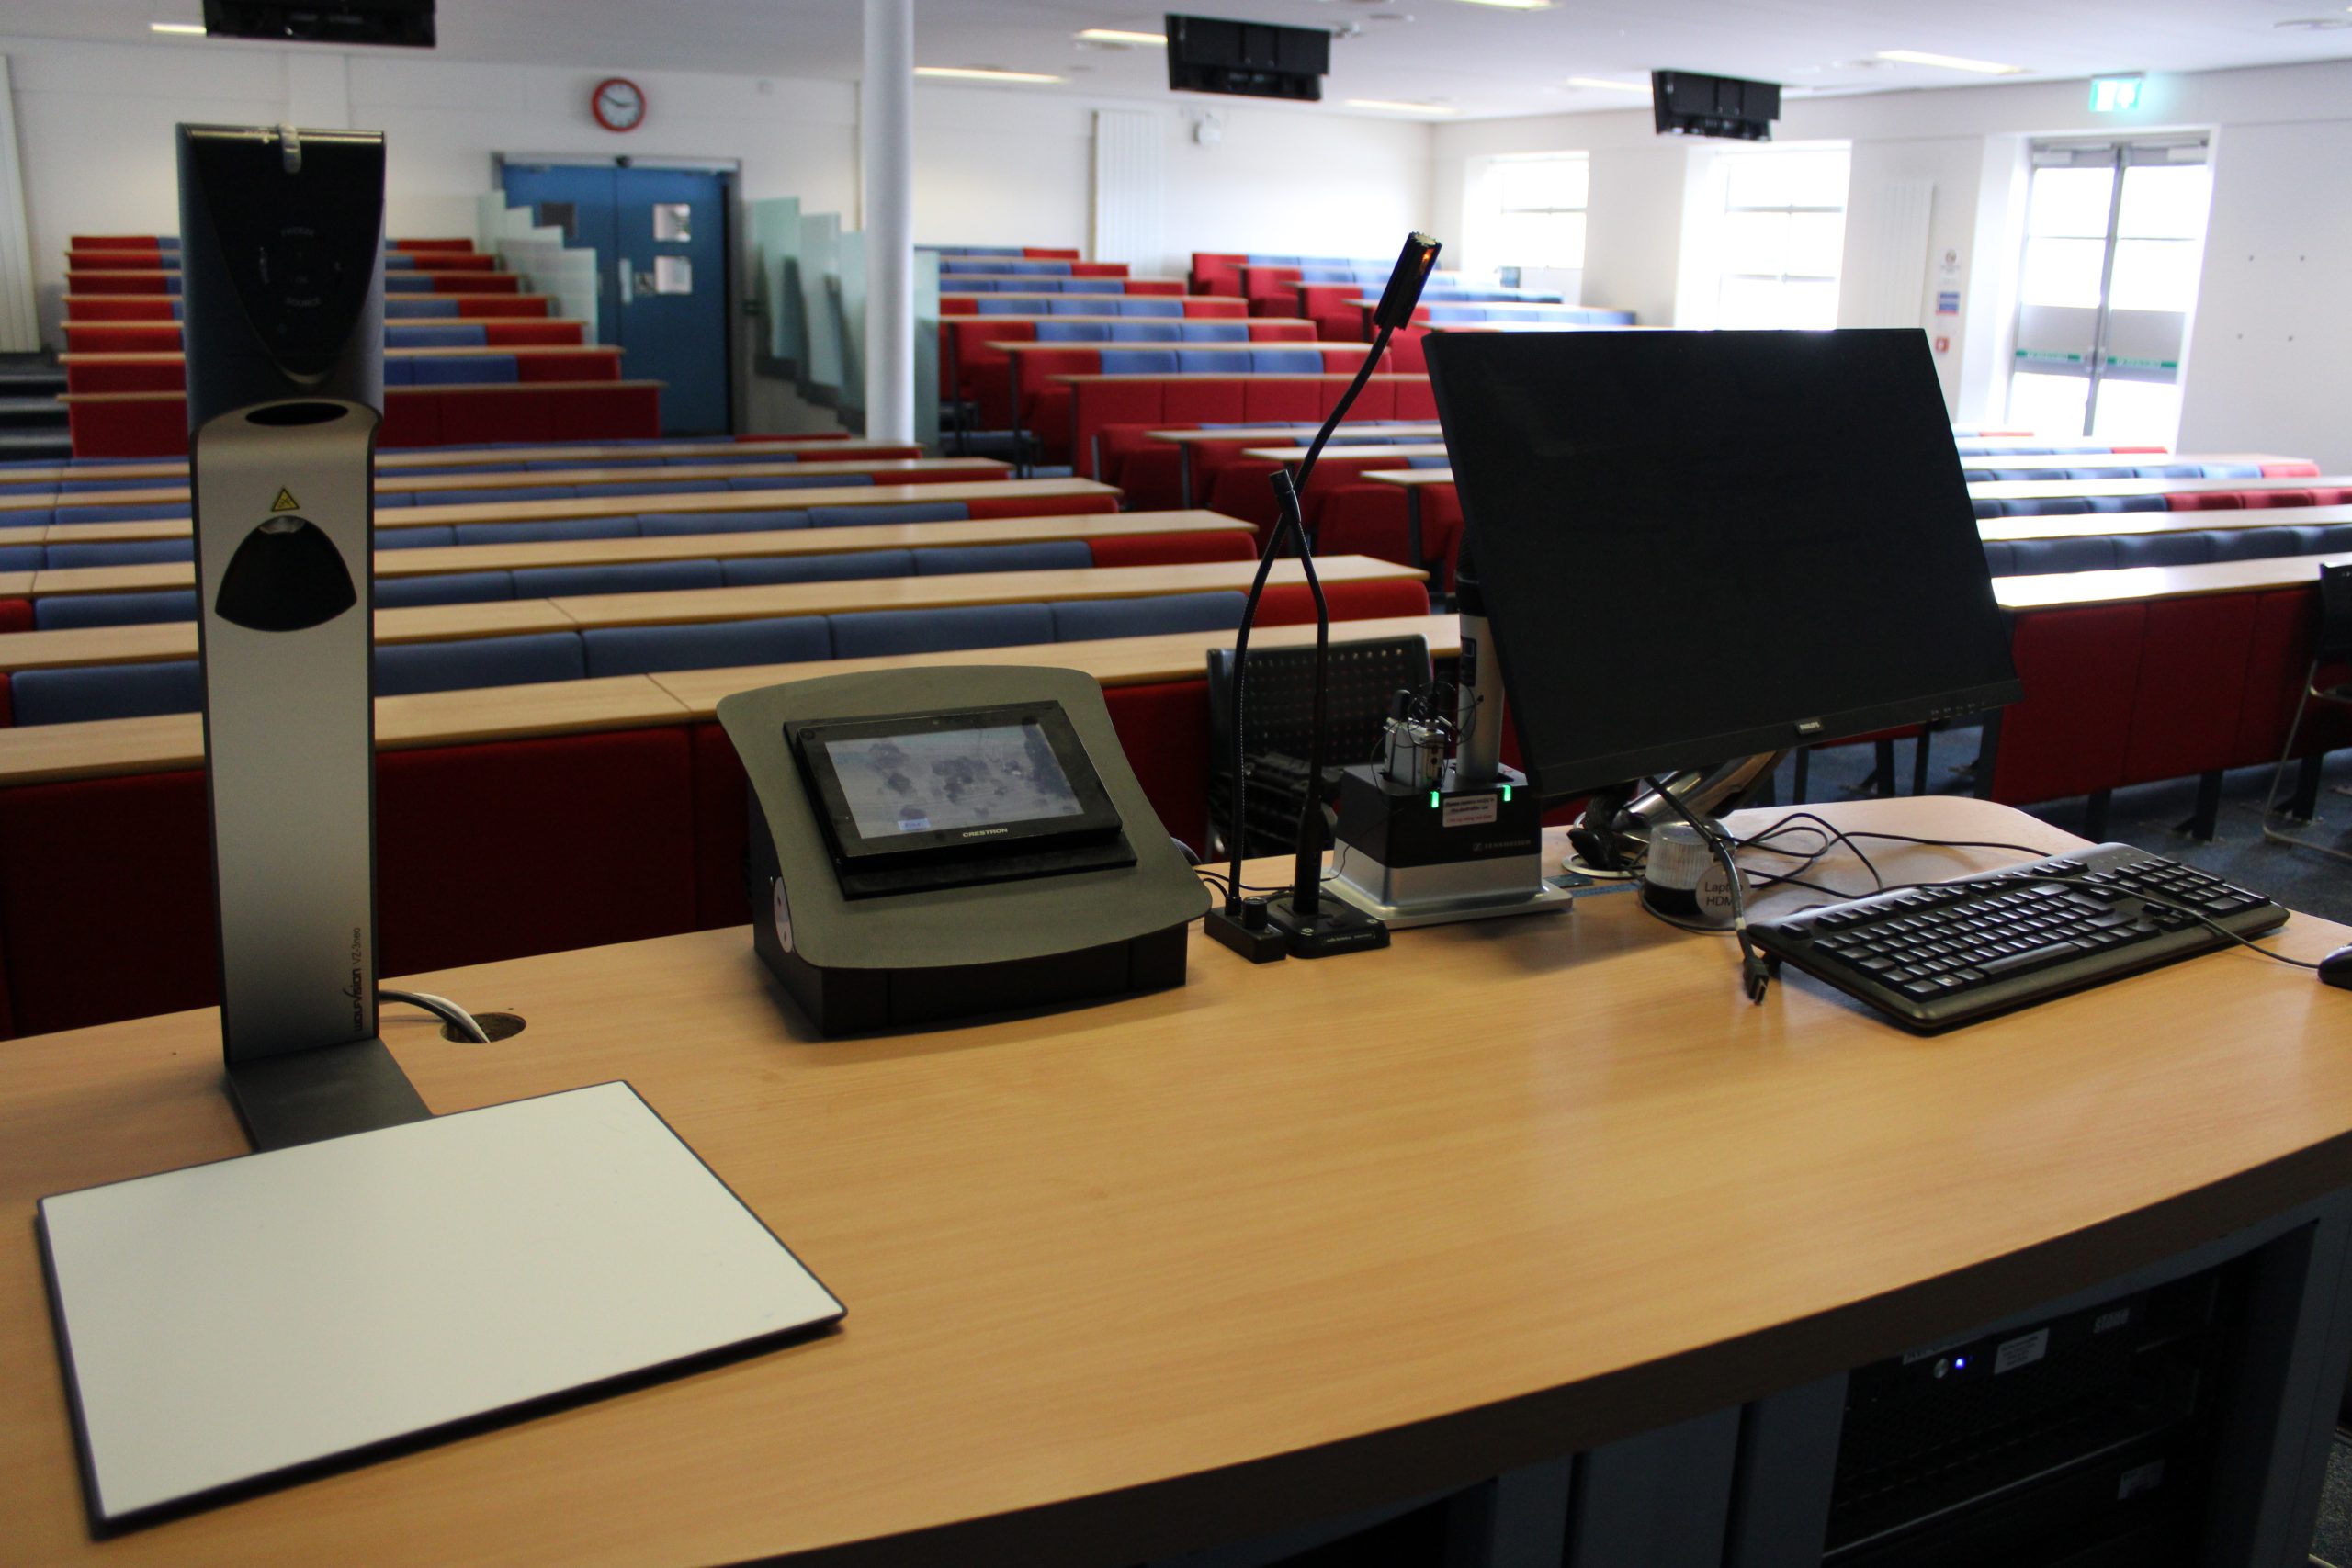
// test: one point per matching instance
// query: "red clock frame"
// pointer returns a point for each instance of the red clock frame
(596, 103)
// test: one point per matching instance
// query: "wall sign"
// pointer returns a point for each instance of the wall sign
(618, 103)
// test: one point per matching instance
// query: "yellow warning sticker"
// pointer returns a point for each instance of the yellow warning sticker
(285, 502)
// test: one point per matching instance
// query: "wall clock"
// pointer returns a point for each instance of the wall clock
(618, 103)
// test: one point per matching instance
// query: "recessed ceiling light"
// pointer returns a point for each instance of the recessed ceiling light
(1604, 82)
(1950, 63)
(192, 29)
(1114, 35)
(1393, 105)
(2317, 24)
(982, 74)
(1513, 5)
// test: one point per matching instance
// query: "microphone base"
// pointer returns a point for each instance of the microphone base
(1334, 927)
(1259, 943)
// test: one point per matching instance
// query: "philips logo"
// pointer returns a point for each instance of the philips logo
(1808, 726)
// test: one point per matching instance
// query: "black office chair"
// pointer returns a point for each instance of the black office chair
(2331, 644)
(1364, 676)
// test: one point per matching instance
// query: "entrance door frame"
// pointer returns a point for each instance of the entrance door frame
(730, 173)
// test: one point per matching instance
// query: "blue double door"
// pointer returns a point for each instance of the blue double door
(661, 250)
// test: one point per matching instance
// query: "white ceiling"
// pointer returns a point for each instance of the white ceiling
(1477, 60)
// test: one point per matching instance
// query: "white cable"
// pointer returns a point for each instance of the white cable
(442, 1008)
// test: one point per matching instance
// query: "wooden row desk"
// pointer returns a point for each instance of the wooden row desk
(766, 544)
(1295, 1241)
(1184, 441)
(84, 646)
(431, 458)
(44, 752)
(423, 485)
(104, 748)
(1414, 481)
(995, 491)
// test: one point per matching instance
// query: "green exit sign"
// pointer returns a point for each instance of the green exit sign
(2114, 94)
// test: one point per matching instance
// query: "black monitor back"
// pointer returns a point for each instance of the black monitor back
(1698, 545)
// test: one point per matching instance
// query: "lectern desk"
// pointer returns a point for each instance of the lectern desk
(1287, 1242)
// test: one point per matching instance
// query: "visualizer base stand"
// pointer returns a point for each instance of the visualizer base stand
(300, 1096)
(1424, 857)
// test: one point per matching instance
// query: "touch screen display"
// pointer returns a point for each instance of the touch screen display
(950, 780)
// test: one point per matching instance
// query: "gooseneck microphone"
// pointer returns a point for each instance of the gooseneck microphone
(1306, 926)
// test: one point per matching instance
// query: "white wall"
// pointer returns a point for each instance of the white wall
(2267, 365)
(95, 122)
(1004, 168)
(991, 165)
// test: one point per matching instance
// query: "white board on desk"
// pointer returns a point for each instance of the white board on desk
(227, 1323)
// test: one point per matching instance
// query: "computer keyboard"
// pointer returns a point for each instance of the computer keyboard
(1940, 954)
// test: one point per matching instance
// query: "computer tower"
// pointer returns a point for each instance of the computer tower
(2086, 1440)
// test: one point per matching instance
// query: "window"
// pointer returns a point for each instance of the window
(1784, 233)
(1539, 212)
(2115, 241)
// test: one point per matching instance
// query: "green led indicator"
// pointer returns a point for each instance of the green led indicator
(1505, 795)
(1433, 799)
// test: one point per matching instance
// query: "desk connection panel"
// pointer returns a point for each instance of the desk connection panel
(939, 844)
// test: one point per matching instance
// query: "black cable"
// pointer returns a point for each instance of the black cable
(1755, 978)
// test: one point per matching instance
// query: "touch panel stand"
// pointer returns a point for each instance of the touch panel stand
(860, 963)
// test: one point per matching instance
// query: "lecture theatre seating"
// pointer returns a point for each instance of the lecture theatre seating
(964, 283)
(59, 607)
(1151, 306)
(558, 841)
(1047, 395)
(454, 321)
(974, 367)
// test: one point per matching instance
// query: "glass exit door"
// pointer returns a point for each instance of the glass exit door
(2115, 241)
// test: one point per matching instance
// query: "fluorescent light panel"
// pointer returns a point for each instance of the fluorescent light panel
(194, 29)
(1113, 35)
(1950, 63)
(976, 74)
(1513, 5)
(1399, 107)
(1642, 87)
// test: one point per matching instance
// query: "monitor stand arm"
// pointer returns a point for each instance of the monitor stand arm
(1618, 823)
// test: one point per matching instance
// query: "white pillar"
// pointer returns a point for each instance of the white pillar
(886, 147)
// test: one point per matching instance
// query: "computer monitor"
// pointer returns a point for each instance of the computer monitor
(1700, 545)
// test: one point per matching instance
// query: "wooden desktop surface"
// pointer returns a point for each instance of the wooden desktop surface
(2052, 590)
(455, 351)
(431, 458)
(2117, 459)
(2085, 523)
(88, 646)
(423, 486)
(1341, 376)
(1129, 1279)
(50, 753)
(1400, 451)
(672, 547)
(482, 388)
(2061, 489)
(1992, 489)
(631, 505)
(1349, 433)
